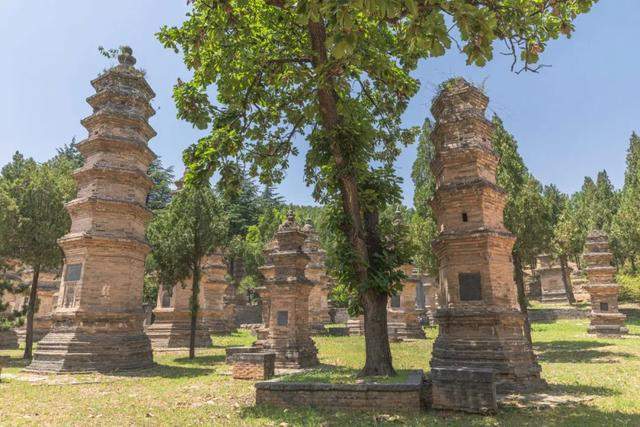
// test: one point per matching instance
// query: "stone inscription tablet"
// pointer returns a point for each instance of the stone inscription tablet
(283, 318)
(72, 273)
(470, 286)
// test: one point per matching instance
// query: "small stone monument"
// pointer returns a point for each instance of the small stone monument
(98, 320)
(430, 286)
(171, 329)
(605, 317)
(551, 284)
(481, 328)
(403, 313)
(287, 297)
(315, 272)
(217, 302)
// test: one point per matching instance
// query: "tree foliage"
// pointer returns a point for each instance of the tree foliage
(625, 229)
(337, 74)
(189, 228)
(36, 220)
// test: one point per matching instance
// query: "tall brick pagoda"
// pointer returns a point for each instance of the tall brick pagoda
(605, 317)
(287, 295)
(481, 328)
(551, 283)
(316, 272)
(97, 323)
(218, 295)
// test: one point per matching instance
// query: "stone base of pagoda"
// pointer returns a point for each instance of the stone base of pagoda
(484, 338)
(399, 331)
(41, 327)
(356, 326)
(610, 324)
(110, 343)
(171, 331)
(8, 339)
(318, 319)
(220, 322)
(554, 297)
(293, 356)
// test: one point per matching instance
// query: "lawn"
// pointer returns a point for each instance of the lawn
(604, 373)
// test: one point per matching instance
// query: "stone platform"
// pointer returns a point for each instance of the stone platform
(408, 396)
(83, 352)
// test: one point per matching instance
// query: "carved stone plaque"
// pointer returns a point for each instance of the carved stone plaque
(283, 318)
(395, 301)
(470, 286)
(72, 273)
(604, 306)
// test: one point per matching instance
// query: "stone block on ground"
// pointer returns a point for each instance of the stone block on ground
(464, 389)
(232, 351)
(254, 366)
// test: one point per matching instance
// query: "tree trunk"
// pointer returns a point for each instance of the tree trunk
(632, 259)
(378, 355)
(565, 279)
(377, 349)
(194, 306)
(578, 266)
(33, 298)
(522, 297)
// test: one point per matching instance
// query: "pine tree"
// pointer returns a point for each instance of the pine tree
(422, 223)
(625, 229)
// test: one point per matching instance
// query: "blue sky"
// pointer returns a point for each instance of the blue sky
(570, 120)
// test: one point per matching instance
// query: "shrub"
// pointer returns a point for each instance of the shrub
(629, 288)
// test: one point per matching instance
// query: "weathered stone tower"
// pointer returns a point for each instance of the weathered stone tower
(217, 302)
(403, 313)
(481, 326)
(316, 272)
(171, 329)
(551, 283)
(287, 290)
(605, 317)
(98, 318)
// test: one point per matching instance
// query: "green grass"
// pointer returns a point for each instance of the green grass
(180, 391)
(341, 375)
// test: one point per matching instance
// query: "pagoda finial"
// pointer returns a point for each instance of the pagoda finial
(126, 57)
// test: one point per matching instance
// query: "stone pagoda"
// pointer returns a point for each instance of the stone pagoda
(98, 320)
(481, 328)
(286, 293)
(171, 328)
(217, 296)
(403, 311)
(315, 272)
(551, 283)
(605, 317)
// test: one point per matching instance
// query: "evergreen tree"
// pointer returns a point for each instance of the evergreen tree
(39, 219)
(423, 223)
(525, 212)
(605, 203)
(189, 228)
(160, 194)
(625, 229)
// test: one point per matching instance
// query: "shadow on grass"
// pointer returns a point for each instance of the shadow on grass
(165, 371)
(17, 362)
(580, 389)
(562, 415)
(577, 352)
(204, 361)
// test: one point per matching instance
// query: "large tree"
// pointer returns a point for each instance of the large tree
(336, 73)
(188, 229)
(38, 192)
(626, 222)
